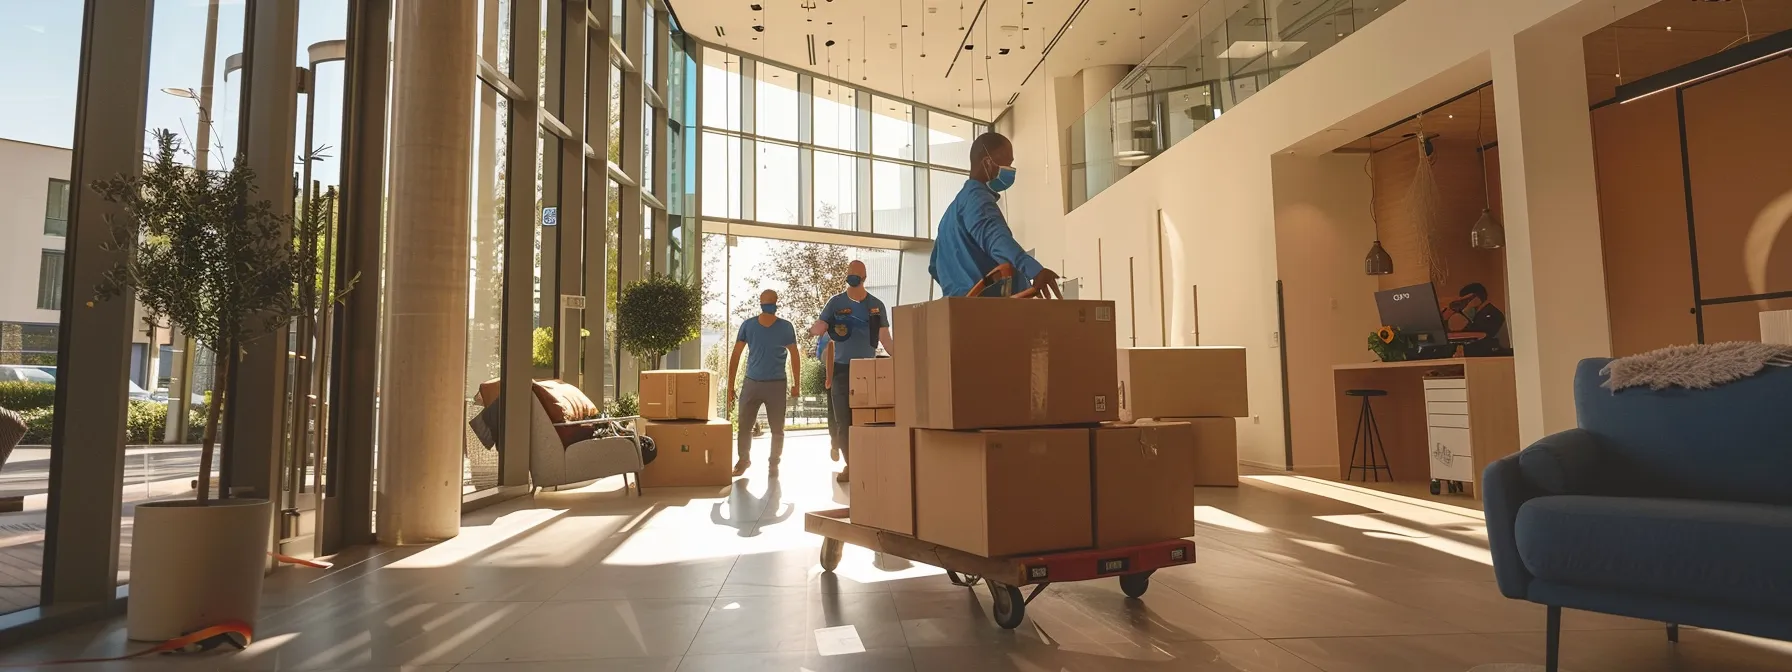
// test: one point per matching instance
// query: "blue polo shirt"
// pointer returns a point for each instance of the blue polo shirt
(853, 326)
(974, 238)
(767, 356)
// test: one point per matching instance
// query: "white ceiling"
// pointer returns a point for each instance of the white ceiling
(874, 50)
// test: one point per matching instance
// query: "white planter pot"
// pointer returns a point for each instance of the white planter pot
(196, 566)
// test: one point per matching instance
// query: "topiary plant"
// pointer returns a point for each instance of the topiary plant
(656, 315)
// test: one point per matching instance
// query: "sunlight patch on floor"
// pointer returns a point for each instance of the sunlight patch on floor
(1377, 527)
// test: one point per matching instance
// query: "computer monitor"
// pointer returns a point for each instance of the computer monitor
(1414, 310)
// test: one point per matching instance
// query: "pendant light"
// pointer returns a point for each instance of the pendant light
(1377, 262)
(1486, 234)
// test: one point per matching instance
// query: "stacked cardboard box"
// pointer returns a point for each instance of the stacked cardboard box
(695, 449)
(1202, 386)
(873, 391)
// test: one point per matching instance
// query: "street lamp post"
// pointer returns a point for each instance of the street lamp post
(180, 387)
(310, 386)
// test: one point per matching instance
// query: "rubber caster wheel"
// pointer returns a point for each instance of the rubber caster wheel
(1436, 487)
(831, 550)
(1010, 608)
(1135, 585)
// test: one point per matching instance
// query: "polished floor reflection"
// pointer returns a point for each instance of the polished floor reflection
(1294, 574)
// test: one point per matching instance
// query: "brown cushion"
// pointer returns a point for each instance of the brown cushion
(564, 403)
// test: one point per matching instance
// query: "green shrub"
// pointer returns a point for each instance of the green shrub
(625, 406)
(24, 396)
(542, 352)
(656, 315)
(145, 422)
(37, 426)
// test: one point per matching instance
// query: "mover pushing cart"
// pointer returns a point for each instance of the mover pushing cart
(1004, 577)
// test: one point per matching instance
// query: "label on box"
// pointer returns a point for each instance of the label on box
(1101, 403)
(1104, 314)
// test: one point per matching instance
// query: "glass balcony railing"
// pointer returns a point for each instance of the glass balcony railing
(1223, 54)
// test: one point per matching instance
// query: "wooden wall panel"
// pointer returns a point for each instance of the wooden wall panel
(1738, 141)
(1642, 215)
(1457, 167)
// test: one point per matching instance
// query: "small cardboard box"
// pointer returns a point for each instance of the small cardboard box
(883, 478)
(1142, 491)
(873, 384)
(1216, 450)
(873, 416)
(1196, 382)
(1003, 492)
(978, 363)
(691, 454)
(678, 395)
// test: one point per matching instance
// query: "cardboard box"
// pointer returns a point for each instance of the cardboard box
(873, 384)
(883, 478)
(678, 395)
(1142, 491)
(1216, 450)
(873, 416)
(1199, 382)
(691, 454)
(1003, 492)
(979, 363)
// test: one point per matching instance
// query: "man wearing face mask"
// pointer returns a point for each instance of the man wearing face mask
(1484, 319)
(769, 341)
(974, 237)
(852, 325)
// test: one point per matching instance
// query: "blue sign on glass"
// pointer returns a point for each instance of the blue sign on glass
(550, 216)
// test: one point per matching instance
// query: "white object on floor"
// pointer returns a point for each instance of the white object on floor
(840, 641)
(1776, 327)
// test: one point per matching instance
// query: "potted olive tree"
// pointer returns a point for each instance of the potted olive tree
(199, 250)
(656, 315)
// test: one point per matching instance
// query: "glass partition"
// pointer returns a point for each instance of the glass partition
(1223, 54)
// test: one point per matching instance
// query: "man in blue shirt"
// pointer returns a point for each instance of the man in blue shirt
(853, 324)
(769, 341)
(974, 237)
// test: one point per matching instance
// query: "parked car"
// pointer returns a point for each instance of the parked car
(16, 373)
(47, 374)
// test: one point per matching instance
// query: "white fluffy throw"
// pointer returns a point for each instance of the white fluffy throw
(1696, 367)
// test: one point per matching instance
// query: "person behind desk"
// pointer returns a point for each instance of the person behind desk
(1483, 318)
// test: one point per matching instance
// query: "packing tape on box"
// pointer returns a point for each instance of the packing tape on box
(1039, 374)
(922, 409)
(1148, 442)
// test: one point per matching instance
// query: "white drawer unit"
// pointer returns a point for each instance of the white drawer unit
(1446, 407)
(1447, 394)
(1446, 383)
(1441, 420)
(1452, 458)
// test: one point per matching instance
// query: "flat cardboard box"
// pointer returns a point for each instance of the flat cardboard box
(883, 479)
(691, 454)
(678, 395)
(1189, 382)
(873, 416)
(1216, 450)
(1003, 492)
(1142, 491)
(981, 363)
(872, 383)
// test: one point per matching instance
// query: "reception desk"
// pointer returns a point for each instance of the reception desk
(1489, 408)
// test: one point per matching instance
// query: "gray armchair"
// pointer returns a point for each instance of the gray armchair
(554, 461)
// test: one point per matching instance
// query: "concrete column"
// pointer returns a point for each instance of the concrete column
(1555, 267)
(421, 409)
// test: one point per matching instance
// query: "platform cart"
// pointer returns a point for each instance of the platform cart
(1004, 577)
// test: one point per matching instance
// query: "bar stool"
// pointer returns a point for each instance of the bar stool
(1368, 438)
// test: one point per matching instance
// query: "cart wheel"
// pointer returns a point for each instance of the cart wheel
(1135, 585)
(1436, 486)
(831, 550)
(1010, 608)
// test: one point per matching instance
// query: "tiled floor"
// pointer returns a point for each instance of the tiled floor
(1294, 575)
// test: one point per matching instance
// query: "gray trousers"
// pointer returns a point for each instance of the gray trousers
(840, 411)
(771, 394)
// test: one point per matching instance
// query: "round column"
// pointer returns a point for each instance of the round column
(422, 414)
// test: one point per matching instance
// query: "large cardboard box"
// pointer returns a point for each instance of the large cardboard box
(1003, 492)
(1216, 450)
(691, 454)
(678, 395)
(874, 416)
(1142, 490)
(981, 363)
(872, 384)
(883, 478)
(1195, 382)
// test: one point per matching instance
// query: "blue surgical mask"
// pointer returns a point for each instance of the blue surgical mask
(1004, 179)
(854, 280)
(769, 308)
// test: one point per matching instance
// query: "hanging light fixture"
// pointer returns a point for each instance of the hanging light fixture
(1486, 234)
(1377, 262)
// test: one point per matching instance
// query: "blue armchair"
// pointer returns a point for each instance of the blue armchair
(1672, 505)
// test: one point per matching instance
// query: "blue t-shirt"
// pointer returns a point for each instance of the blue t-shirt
(974, 238)
(766, 354)
(853, 326)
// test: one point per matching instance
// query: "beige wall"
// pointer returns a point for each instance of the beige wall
(25, 172)
(1322, 230)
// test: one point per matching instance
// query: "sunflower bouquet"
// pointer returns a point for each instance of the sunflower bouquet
(1390, 344)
